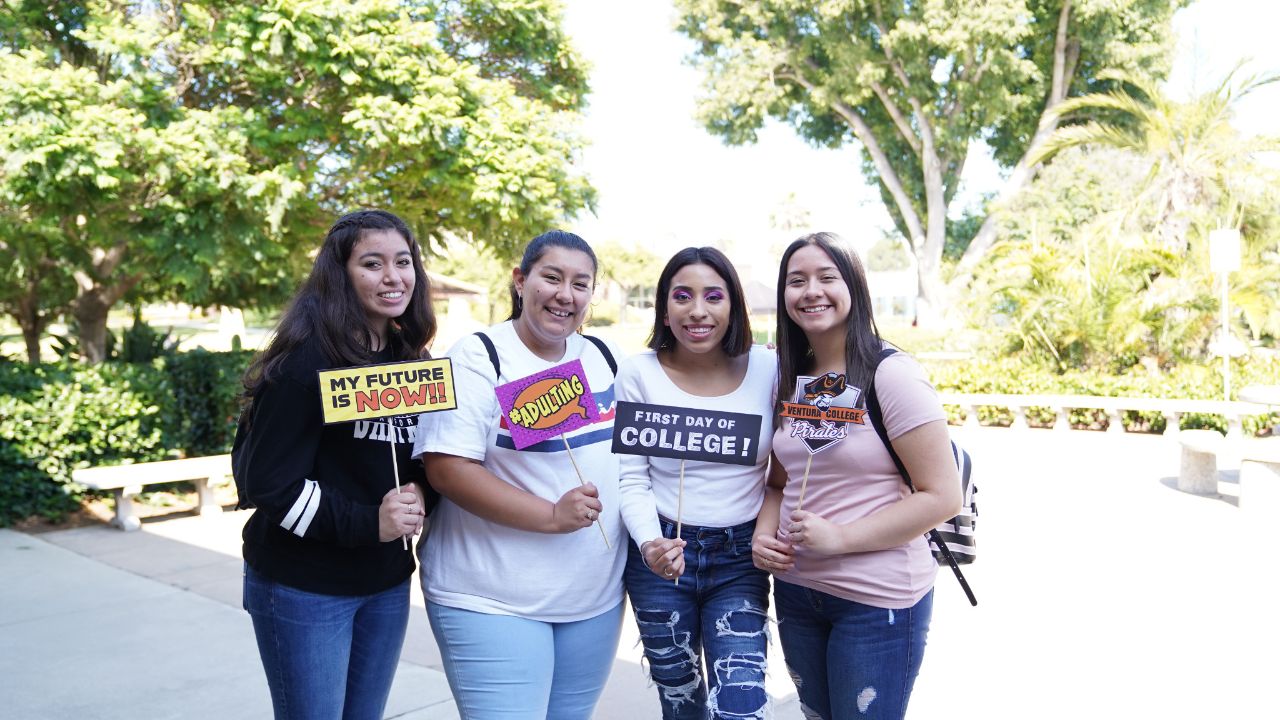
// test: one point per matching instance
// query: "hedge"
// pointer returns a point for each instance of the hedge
(57, 418)
(1197, 382)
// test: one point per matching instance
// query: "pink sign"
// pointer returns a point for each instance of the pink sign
(545, 404)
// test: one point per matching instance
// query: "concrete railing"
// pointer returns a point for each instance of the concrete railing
(1115, 407)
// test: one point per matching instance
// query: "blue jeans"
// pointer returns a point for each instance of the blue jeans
(513, 668)
(850, 660)
(327, 657)
(719, 609)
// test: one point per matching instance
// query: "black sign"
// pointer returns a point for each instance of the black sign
(686, 433)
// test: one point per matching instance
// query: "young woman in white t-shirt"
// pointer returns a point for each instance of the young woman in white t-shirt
(523, 594)
(853, 575)
(700, 356)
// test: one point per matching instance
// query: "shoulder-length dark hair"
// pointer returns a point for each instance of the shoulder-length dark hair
(737, 339)
(862, 344)
(327, 310)
(538, 247)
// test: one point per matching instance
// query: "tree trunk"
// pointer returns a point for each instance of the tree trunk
(1066, 56)
(95, 298)
(31, 320)
(90, 312)
(31, 336)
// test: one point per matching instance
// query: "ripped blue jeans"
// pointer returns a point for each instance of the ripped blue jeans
(719, 610)
(850, 661)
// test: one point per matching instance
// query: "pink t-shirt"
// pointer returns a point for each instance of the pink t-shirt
(854, 477)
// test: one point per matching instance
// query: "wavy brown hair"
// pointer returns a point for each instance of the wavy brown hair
(862, 343)
(327, 309)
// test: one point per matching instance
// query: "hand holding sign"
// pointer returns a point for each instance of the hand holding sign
(684, 434)
(553, 402)
(384, 391)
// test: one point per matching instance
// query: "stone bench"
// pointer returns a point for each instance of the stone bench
(125, 481)
(1198, 471)
(1260, 477)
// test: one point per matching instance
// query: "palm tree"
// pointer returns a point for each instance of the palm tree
(1198, 159)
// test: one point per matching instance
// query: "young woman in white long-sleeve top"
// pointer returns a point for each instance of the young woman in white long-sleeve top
(701, 356)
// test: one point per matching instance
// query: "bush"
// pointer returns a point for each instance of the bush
(205, 403)
(58, 418)
(1185, 381)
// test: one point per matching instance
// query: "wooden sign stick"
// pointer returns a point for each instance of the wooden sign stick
(584, 482)
(804, 483)
(395, 469)
(680, 507)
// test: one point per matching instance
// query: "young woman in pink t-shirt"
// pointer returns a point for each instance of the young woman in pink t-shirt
(839, 529)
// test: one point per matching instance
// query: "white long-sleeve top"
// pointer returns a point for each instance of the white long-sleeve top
(715, 494)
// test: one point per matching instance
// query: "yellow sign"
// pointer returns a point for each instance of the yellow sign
(375, 391)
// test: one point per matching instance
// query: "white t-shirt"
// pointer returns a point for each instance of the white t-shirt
(715, 494)
(482, 566)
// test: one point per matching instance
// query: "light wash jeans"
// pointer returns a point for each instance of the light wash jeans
(850, 660)
(327, 657)
(720, 610)
(502, 667)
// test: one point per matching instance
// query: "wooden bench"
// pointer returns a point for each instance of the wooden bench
(1260, 478)
(128, 480)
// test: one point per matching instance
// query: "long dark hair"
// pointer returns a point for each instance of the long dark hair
(862, 344)
(327, 309)
(538, 247)
(737, 339)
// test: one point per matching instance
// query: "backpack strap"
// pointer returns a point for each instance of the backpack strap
(497, 366)
(604, 350)
(873, 412)
(493, 354)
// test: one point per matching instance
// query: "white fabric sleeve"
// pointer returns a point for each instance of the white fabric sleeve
(639, 509)
(463, 432)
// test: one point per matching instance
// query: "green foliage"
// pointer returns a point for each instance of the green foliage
(1186, 381)
(197, 150)
(141, 343)
(56, 418)
(1104, 259)
(887, 254)
(915, 83)
(634, 269)
(205, 401)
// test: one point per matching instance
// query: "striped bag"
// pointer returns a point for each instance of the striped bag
(953, 542)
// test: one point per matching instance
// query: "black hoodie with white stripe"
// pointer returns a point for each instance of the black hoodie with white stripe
(317, 487)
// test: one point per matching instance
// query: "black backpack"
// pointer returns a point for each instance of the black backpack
(952, 542)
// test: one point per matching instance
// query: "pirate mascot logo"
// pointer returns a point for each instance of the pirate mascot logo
(822, 409)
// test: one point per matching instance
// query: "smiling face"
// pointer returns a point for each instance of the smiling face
(816, 296)
(555, 295)
(698, 309)
(381, 272)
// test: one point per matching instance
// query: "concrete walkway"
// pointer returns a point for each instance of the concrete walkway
(1103, 592)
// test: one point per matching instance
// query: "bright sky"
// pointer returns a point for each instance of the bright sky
(666, 183)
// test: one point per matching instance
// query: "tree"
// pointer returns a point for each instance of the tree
(1203, 175)
(196, 151)
(917, 84)
(1103, 259)
(631, 268)
(1072, 281)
